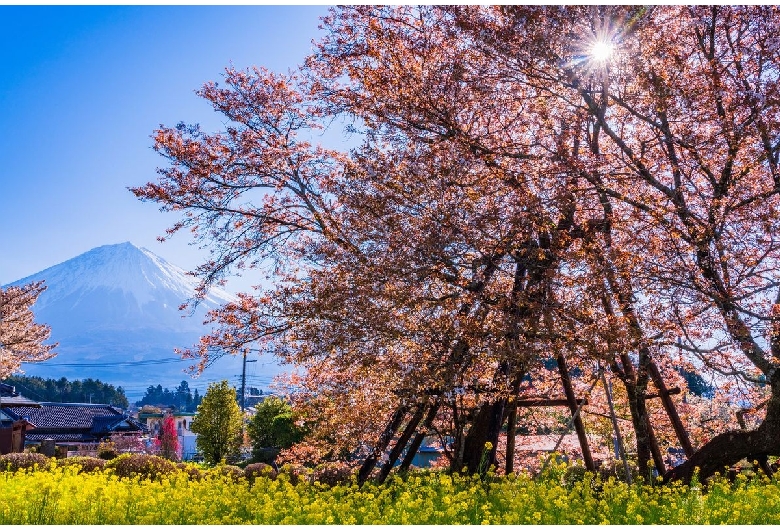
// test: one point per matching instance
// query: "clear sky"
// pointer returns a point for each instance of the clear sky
(81, 91)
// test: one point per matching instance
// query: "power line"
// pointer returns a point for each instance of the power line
(147, 362)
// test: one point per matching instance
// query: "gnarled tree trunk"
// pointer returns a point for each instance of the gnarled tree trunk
(728, 448)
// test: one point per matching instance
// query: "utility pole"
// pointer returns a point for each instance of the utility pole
(243, 386)
(243, 381)
(243, 392)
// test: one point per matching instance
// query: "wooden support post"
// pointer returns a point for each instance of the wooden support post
(401, 443)
(511, 433)
(546, 402)
(671, 409)
(658, 458)
(384, 440)
(621, 448)
(511, 425)
(419, 437)
(579, 426)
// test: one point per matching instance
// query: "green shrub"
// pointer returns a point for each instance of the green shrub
(88, 464)
(617, 470)
(573, 475)
(193, 471)
(17, 461)
(296, 473)
(259, 469)
(232, 473)
(139, 465)
(107, 450)
(333, 473)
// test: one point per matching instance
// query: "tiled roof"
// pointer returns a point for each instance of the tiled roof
(17, 401)
(10, 397)
(34, 436)
(73, 417)
(103, 424)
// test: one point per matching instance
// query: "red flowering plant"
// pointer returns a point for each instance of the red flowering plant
(167, 441)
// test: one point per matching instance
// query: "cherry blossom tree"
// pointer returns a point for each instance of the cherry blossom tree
(21, 338)
(592, 189)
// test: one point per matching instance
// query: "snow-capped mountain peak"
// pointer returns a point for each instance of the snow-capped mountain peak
(114, 311)
(122, 270)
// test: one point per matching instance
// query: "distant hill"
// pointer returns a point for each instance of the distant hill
(114, 311)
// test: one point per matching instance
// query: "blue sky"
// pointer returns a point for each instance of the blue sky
(81, 91)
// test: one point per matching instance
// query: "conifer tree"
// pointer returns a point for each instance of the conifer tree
(218, 423)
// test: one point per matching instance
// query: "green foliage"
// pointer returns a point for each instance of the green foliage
(86, 464)
(259, 469)
(272, 426)
(107, 450)
(181, 398)
(218, 423)
(226, 471)
(64, 391)
(295, 474)
(152, 467)
(17, 461)
(193, 471)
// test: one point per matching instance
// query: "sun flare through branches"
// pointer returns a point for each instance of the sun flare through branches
(601, 51)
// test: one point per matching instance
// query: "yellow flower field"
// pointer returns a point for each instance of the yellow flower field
(61, 495)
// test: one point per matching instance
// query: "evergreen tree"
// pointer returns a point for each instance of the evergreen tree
(180, 398)
(64, 391)
(272, 428)
(218, 423)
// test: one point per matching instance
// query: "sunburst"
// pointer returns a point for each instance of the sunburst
(601, 51)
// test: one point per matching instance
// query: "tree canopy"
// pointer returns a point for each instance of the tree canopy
(273, 427)
(181, 398)
(64, 391)
(21, 338)
(218, 423)
(516, 199)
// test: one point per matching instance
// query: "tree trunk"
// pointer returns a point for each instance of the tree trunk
(646, 443)
(639, 420)
(485, 428)
(728, 448)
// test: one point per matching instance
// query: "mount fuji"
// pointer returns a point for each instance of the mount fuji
(114, 311)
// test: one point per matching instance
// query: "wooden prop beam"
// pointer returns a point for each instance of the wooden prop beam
(671, 409)
(579, 426)
(547, 402)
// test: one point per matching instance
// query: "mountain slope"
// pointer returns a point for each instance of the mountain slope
(114, 311)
